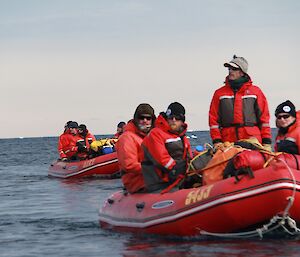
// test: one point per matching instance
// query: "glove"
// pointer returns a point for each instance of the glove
(81, 148)
(287, 146)
(268, 147)
(179, 168)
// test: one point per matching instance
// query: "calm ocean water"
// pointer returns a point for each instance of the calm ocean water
(40, 216)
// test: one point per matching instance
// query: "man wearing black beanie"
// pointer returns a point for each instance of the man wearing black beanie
(167, 150)
(288, 136)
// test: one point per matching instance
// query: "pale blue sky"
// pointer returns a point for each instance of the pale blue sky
(95, 61)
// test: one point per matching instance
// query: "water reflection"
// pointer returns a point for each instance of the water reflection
(158, 247)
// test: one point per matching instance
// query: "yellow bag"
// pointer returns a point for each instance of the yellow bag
(98, 144)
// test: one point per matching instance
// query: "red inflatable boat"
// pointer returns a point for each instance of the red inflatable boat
(229, 207)
(105, 166)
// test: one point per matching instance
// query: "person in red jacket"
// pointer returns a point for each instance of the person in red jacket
(167, 150)
(288, 124)
(84, 139)
(239, 109)
(120, 129)
(129, 149)
(61, 141)
(67, 142)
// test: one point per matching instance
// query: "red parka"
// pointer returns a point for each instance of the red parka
(290, 141)
(239, 115)
(163, 150)
(130, 156)
(67, 145)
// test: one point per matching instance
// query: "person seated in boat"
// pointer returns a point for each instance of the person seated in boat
(84, 140)
(129, 151)
(239, 109)
(288, 124)
(67, 142)
(62, 138)
(120, 129)
(167, 150)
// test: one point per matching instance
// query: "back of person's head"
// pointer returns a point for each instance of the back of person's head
(82, 127)
(73, 124)
(67, 124)
(82, 130)
(121, 124)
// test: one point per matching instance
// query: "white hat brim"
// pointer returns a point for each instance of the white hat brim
(231, 64)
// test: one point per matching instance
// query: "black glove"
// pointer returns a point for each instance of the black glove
(179, 168)
(81, 148)
(287, 147)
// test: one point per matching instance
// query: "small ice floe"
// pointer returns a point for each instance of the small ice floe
(193, 136)
(21, 137)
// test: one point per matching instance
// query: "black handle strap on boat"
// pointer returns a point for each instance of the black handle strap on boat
(231, 171)
(243, 171)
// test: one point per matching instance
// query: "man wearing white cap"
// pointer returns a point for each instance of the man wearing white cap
(239, 109)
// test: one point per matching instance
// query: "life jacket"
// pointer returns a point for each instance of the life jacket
(239, 115)
(130, 156)
(162, 151)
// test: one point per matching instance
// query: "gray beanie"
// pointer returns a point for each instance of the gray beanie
(238, 62)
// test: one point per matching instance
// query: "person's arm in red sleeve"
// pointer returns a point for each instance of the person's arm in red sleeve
(128, 154)
(60, 146)
(214, 129)
(156, 148)
(264, 119)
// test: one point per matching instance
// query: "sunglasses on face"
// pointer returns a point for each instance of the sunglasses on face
(142, 117)
(284, 116)
(233, 68)
(176, 117)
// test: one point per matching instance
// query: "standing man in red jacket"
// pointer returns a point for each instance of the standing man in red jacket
(129, 151)
(239, 109)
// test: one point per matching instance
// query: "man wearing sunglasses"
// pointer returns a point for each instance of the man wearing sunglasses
(239, 109)
(288, 124)
(167, 150)
(129, 149)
